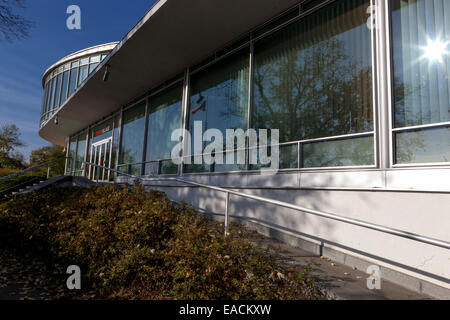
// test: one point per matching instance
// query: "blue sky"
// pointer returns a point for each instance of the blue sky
(23, 62)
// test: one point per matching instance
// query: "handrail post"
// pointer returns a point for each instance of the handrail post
(48, 172)
(227, 205)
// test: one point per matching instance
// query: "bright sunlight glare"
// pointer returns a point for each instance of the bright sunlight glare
(435, 50)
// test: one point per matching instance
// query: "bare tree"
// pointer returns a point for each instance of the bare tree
(12, 25)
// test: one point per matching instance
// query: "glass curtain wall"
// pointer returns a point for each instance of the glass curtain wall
(62, 82)
(132, 141)
(219, 100)
(72, 155)
(164, 117)
(313, 79)
(421, 61)
(81, 151)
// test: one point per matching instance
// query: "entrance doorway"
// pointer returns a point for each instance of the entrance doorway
(100, 155)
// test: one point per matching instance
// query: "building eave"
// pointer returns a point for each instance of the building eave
(171, 36)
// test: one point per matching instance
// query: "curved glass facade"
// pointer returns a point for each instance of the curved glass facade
(311, 78)
(61, 82)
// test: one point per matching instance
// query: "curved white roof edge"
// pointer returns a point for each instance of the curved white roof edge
(173, 47)
(80, 53)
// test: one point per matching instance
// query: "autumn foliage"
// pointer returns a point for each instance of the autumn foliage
(131, 244)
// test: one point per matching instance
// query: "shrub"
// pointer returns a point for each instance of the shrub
(134, 245)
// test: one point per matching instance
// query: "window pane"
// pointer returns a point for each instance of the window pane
(49, 95)
(92, 67)
(44, 100)
(423, 146)
(288, 157)
(338, 153)
(219, 96)
(72, 155)
(52, 100)
(73, 81)
(84, 61)
(65, 86)
(81, 150)
(83, 74)
(164, 117)
(58, 91)
(75, 64)
(95, 59)
(314, 78)
(421, 36)
(133, 135)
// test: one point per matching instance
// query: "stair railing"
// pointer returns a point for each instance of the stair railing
(356, 222)
(46, 164)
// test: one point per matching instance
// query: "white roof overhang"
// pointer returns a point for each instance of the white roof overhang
(174, 34)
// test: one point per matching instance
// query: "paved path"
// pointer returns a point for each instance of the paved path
(342, 282)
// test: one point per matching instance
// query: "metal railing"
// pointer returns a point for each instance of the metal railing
(46, 164)
(367, 225)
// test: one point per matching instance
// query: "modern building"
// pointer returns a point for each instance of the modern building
(360, 93)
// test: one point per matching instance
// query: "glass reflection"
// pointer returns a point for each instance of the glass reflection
(73, 81)
(423, 146)
(219, 99)
(421, 34)
(58, 91)
(132, 143)
(338, 153)
(314, 78)
(81, 151)
(65, 87)
(164, 117)
(72, 155)
(83, 74)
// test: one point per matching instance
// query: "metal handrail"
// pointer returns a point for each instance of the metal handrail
(46, 164)
(356, 222)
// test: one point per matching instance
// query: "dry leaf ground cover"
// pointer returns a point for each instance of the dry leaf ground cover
(131, 244)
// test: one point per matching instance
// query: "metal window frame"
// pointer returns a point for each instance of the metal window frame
(184, 118)
(376, 92)
(144, 147)
(387, 6)
(379, 150)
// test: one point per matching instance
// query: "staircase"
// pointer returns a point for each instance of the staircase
(20, 188)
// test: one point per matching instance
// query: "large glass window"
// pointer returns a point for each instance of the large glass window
(72, 155)
(58, 91)
(133, 132)
(164, 117)
(219, 99)
(44, 103)
(83, 74)
(313, 79)
(73, 81)
(52, 98)
(421, 54)
(81, 151)
(65, 86)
